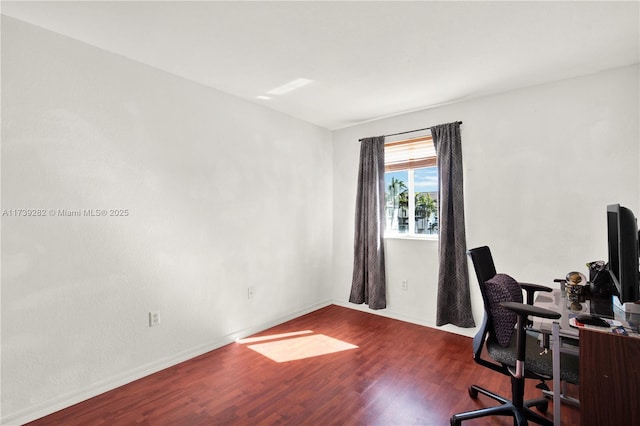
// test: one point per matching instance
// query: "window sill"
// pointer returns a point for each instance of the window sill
(430, 237)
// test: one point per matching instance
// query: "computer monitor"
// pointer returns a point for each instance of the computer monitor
(622, 232)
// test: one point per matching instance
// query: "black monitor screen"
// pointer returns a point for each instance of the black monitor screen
(622, 236)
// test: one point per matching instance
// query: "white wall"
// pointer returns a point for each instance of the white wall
(540, 165)
(222, 194)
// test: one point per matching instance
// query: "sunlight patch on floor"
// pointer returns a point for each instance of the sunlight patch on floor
(301, 347)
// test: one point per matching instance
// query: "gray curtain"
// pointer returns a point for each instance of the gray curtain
(454, 299)
(368, 284)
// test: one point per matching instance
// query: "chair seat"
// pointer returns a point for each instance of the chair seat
(536, 365)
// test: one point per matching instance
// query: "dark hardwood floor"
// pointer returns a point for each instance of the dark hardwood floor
(399, 374)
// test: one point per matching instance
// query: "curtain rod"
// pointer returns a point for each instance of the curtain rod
(408, 131)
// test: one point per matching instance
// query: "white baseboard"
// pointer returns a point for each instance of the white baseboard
(468, 332)
(50, 406)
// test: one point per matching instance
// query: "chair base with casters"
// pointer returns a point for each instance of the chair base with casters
(516, 407)
(507, 408)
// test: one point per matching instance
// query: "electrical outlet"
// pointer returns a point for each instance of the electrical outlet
(154, 318)
(250, 292)
(405, 285)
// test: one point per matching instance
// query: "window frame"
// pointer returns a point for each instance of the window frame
(409, 154)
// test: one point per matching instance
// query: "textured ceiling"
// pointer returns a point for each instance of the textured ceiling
(367, 59)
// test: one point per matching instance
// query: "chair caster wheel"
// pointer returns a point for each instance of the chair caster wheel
(473, 393)
(543, 407)
(543, 386)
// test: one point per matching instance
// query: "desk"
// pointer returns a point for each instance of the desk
(564, 338)
(609, 379)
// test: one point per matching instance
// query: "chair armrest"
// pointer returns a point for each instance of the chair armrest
(535, 287)
(522, 309)
(530, 290)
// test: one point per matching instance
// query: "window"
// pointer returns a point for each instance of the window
(411, 186)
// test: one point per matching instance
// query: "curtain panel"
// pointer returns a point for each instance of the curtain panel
(369, 282)
(454, 298)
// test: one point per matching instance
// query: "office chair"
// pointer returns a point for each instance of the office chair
(513, 352)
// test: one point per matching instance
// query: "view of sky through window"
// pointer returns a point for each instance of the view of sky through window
(425, 179)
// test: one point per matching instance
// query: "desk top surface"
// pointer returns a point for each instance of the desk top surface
(557, 301)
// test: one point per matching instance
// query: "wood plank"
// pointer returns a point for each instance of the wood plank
(400, 373)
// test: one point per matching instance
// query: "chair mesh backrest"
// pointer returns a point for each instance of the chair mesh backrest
(484, 267)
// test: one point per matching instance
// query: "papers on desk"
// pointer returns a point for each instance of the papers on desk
(620, 330)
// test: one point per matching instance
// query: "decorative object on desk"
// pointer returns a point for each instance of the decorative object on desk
(575, 288)
(576, 278)
(600, 278)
